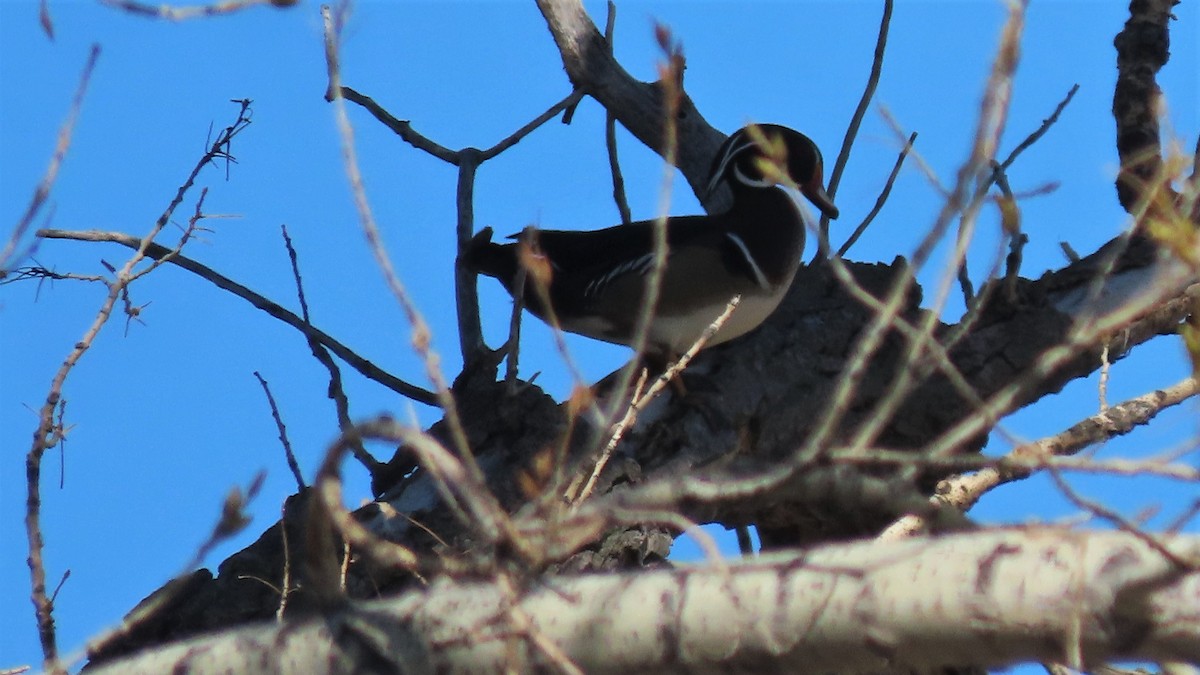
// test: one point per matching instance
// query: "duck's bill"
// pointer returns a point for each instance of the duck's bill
(817, 195)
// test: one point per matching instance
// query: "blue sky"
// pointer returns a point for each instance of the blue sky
(168, 417)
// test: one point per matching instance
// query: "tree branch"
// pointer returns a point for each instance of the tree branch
(902, 605)
(159, 252)
(639, 106)
(962, 492)
(1142, 49)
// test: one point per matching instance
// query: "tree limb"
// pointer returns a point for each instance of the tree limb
(870, 606)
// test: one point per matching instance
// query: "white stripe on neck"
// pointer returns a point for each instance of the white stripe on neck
(759, 277)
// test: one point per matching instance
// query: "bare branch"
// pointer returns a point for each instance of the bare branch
(610, 131)
(287, 446)
(468, 159)
(159, 252)
(49, 433)
(835, 178)
(962, 492)
(670, 72)
(639, 106)
(883, 195)
(336, 391)
(1138, 607)
(47, 24)
(1040, 131)
(8, 256)
(641, 400)
(183, 13)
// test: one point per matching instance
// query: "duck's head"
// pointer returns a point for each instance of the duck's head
(761, 156)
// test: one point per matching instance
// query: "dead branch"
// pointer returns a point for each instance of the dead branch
(962, 492)
(9, 256)
(159, 252)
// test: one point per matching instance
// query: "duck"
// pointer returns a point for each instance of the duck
(593, 282)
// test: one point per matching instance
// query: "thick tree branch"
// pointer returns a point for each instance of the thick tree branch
(858, 607)
(639, 106)
(1143, 47)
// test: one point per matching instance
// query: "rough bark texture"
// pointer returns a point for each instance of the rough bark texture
(913, 606)
(638, 106)
(1143, 47)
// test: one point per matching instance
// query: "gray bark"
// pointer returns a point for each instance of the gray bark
(988, 599)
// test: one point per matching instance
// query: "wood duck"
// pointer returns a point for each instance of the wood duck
(596, 279)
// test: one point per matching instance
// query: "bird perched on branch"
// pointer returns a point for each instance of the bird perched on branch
(595, 281)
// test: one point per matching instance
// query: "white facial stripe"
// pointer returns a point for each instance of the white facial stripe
(759, 277)
(748, 181)
(736, 147)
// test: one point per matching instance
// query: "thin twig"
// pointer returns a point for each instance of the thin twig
(670, 75)
(835, 178)
(286, 584)
(1010, 220)
(660, 383)
(170, 13)
(328, 503)
(1103, 512)
(579, 491)
(405, 130)
(962, 492)
(536, 269)
(515, 137)
(513, 344)
(1087, 332)
(42, 192)
(1069, 252)
(964, 276)
(48, 433)
(923, 345)
(233, 519)
(421, 336)
(283, 438)
(1010, 225)
(469, 501)
(294, 259)
(522, 624)
(610, 131)
(158, 252)
(336, 391)
(960, 200)
(1024, 464)
(965, 202)
(883, 195)
(47, 24)
(1182, 520)
(1041, 131)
